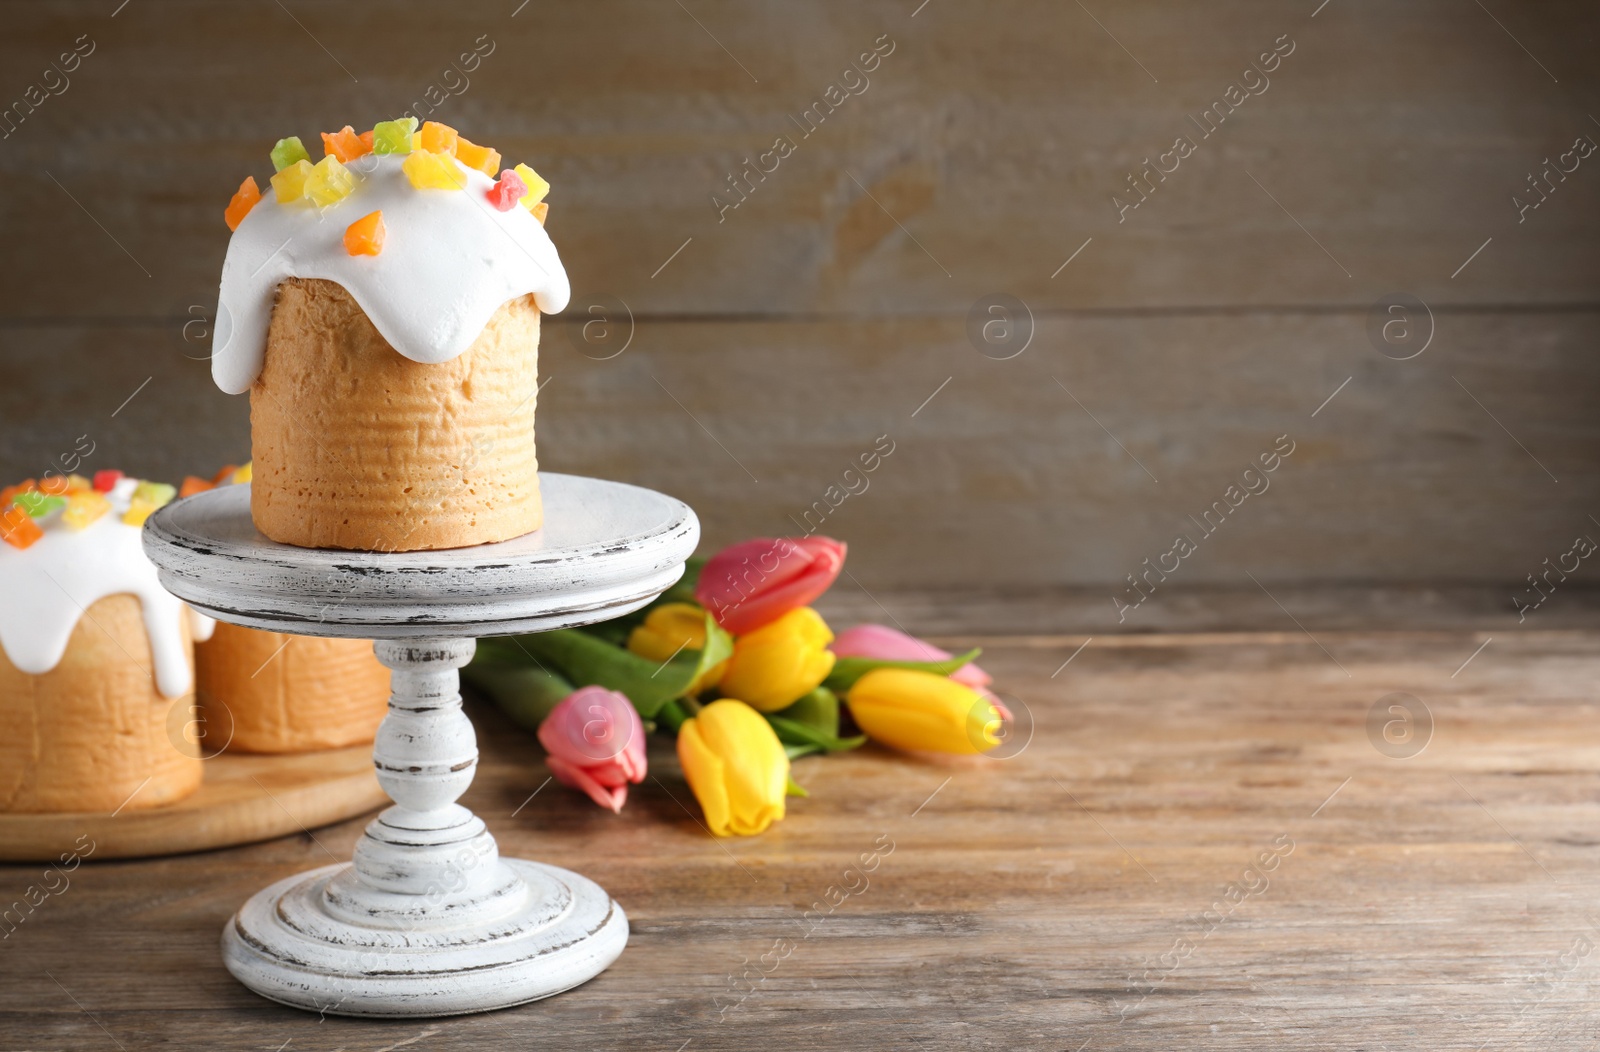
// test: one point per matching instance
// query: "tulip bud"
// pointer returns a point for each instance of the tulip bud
(669, 629)
(887, 644)
(736, 767)
(922, 712)
(776, 665)
(595, 742)
(755, 583)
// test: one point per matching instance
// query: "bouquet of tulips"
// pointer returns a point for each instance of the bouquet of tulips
(735, 663)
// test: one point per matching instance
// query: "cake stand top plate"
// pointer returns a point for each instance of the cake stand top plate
(606, 548)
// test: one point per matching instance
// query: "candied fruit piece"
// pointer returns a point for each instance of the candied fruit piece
(366, 140)
(537, 187)
(243, 200)
(225, 475)
(540, 210)
(482, 158)
(17, 529)
(37, 504)
(157, 493)
(193, 484)
(138, 511)
(508, 191)
(364, 237)
(78, 484)
(439, 138)
(290, 184)
(10, 493)
(287, 152)
(84, 508)
(53, 484)
(105, 480)
(393, 136)
(243, 474)
(330, 182)
(434, 171)
(345, 144)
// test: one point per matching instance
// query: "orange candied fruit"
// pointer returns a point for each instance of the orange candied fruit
(483, 158)
(540, 210)
(345, 145)
(439, 138)
(364, 237)
(242, 202)
(224, 475)
(11, 493)
(193, 484)
(17, 529)
(54, 485)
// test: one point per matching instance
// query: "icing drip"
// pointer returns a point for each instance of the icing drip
(450, 260)
(49, 585)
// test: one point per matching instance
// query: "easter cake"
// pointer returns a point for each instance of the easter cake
(381, 306)
(96, 658)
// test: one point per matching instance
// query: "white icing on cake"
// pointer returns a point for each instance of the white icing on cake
(449, 261)
(50, 584)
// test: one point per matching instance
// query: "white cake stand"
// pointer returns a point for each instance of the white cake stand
(428, 919)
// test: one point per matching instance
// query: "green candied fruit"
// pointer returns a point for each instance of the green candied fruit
(287, 152)
(37, 504)
(393, 136)
(157, 493)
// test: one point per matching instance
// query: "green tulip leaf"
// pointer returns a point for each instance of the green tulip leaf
(794, 788)
(794, 752)
(522, 690)
(585, 659)
(802, 735)
(847, 670)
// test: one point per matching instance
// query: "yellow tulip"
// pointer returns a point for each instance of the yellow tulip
(670, 628)
(736, 767)
(777, 664)
(924, 712)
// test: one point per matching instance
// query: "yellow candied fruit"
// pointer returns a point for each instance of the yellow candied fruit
(330, 182)
(83, 509)
(138, 511)
(483, 158)
(434, 171)
(78, 484)
(290, 184)
(243, 474)
(536, 184)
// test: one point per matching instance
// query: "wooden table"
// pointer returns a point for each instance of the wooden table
(1055, 900)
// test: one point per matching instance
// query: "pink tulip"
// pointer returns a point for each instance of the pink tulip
(888, 644)
(595, 742)
(755, 583)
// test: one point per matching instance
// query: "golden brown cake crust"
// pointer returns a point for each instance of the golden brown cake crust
(83, 736)
(355, 446)
(270, 693)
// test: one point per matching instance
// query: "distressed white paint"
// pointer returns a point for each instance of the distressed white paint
(427, 920)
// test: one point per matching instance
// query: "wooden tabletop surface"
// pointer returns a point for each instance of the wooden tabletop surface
(1201, 847)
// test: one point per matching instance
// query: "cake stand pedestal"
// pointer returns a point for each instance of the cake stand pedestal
(428, 919)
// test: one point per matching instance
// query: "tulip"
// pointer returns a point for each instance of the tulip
(755, 583)
(669, 629)
(736, 767)
(595, 742)
(888, 644)
(924, 712)
(777, 665)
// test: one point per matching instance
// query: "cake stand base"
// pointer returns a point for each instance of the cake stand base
(555, 930)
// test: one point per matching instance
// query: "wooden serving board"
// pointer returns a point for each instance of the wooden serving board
(243, 799)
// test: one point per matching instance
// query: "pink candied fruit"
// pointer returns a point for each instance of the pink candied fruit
(508, 192)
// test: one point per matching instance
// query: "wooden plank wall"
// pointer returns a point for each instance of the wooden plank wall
(772, 343)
